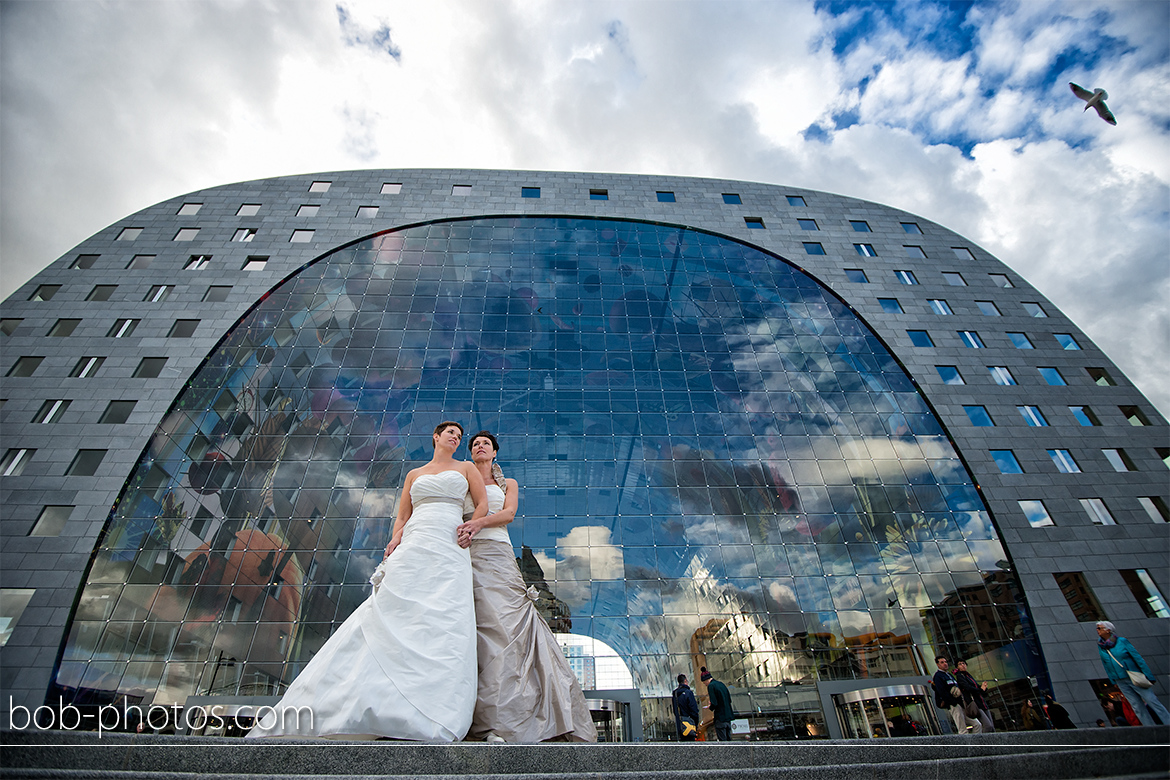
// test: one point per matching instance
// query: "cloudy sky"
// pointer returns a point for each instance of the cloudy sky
(959, 112)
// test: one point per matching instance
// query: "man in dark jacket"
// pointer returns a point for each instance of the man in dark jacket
(948, 696)
(686, 710)
(973, 691)
(720, 706)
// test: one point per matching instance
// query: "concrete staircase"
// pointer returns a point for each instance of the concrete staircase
(1083, 753)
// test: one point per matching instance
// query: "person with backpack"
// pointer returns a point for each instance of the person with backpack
(720, 706)
(686, 711)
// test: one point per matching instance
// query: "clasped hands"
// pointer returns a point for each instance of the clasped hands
(464, 532)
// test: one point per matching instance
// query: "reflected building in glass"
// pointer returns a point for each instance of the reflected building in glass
(733, 452)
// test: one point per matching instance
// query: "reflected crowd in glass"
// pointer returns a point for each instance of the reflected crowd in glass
(720, 465)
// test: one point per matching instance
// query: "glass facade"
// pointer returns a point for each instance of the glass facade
(720, 466)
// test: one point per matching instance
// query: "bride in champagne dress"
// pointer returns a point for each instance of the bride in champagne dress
(403, 664)
(527, 692)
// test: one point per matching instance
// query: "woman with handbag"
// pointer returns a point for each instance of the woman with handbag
(1126, 669)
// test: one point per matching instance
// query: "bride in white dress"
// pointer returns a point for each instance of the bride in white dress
(403, 664)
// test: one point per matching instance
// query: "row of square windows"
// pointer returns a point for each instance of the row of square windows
(1002, 375)
(1007, 462)
(972, 339)
(952, 278)
(942, 307)
(1087, 609)
(463, 190)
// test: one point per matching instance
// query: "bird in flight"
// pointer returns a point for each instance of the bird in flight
(1096, 99)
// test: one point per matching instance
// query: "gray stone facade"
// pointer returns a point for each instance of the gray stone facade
(54, 565)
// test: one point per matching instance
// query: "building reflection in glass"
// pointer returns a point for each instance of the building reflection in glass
(720, 466)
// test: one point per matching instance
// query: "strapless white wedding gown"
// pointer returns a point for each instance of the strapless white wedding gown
(403, 665)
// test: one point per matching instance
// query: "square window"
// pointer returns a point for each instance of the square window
(866, 250)
(122, 328)
(665, 197)
(186, 234)
(1000, 280)
(1063, 460)
(217, 293)
(301, 236)
(8, 325)
(461, 190)
(813, 248)
(860, 226)
(1097, 511)
(189, 209)
(14, 461)
(754, 223)
(12, 604)
(1164, 454)
(1156, 508)
(50, 411)
(1066, 341)
(979, 416)
(796, 200)
(962, 252)
(1134, 415)
(244, 235)
(1077, 592)
(45, 292)
(85, 463)
(308, 211)
(248, 210)
(906, 277)
(1101, 377)
(51, 520)
(954, 279)
(731, 199)
(970, 339)
(139, 262)
(1119, 460)
(1036, 513)
(1001, 375)
(366, 212)
(1033, 416)
(1020, 341)
(149, 367)
(129, 234)
(84, 261)
(1084, 416)
(159, 292)
(87, 367)
(117, 412)
(807, 224)
(988, 309)
(1034, 310)
(197, 263)
(912, 228)
(920, 338)
(63, 328)
(1142, 586)
(950, 375)
(320, 186)
(255, 263)
(856, 275)
(596, 194)
(890, 305)
(1052, 376)
(939, 306)
(183, 329)
(391, 188)
(1006, 461)
(914, 251)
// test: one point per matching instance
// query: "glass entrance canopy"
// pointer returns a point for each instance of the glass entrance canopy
(720, 465)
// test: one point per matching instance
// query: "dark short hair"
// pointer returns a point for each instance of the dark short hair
(487, 435)
(682, 678)
(938, 658)
(447, 424)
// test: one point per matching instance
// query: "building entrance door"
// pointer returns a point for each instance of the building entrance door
(893, 711)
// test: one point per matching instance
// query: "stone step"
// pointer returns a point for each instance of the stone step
(1129, 752)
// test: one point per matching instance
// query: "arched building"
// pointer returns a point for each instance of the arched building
(804, 440)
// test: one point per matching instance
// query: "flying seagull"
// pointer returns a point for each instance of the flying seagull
(1096, 99)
